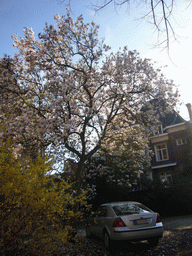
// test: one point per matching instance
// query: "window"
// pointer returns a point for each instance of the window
(181, 141)
(158, 130)
(166, 177)
(130, 208)
(161, 152)
(102, 211)
(149, 175)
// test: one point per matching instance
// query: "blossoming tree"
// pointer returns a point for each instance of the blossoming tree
(14, 109)
(123, 157)
(73, 89)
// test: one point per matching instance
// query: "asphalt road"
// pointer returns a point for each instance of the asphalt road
(176, 241)
(177, 222)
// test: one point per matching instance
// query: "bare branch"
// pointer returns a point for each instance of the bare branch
(160, 11)
(98, 8)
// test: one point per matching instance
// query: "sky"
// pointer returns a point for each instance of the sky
(119, 27)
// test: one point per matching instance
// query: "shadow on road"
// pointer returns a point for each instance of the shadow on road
(131, 248)
(177, 222)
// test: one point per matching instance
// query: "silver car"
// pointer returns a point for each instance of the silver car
(125, 221)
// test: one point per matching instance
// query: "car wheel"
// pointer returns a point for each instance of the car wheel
(88, 232)
(107, 241)
(153, 242)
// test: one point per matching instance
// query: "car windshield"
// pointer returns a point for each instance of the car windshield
(130, 208)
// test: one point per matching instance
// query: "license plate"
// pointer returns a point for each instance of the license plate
(139, 222)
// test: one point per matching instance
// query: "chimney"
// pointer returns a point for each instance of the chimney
(188, 105)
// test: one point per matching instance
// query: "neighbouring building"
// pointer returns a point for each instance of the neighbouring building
(169, 144)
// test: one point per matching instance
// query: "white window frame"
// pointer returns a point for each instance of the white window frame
(166, 177)
(158, 130)
(181, 141)
(160, 154)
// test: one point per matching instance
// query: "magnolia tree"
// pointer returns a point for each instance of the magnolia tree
(72, 89)
(15, 109)
(124, 155)
(126, 150)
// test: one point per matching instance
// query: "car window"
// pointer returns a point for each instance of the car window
(128, 208)
(102, 211)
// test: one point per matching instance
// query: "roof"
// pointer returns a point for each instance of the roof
(167, 118)
(171, 118)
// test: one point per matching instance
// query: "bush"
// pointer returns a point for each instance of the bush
(36, 213)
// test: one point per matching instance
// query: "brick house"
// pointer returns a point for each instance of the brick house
(169, 144)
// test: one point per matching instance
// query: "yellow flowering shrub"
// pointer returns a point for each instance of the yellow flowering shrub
(36, 213)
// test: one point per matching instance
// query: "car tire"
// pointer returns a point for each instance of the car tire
(88, 233)
(153, 242)
(107, 241)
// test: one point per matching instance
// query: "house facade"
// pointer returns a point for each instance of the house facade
(169, 144)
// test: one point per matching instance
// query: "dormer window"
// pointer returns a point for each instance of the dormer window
(158, 130)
